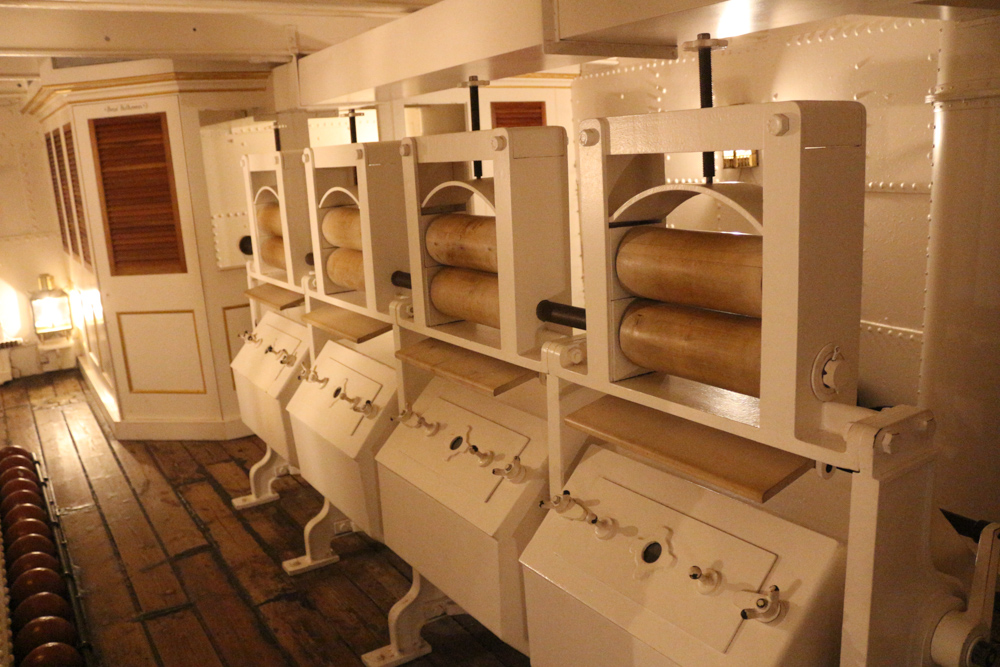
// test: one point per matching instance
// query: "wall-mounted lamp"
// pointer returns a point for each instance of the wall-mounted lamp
(50, 308)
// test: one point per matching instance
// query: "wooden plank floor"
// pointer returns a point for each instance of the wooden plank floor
(172, 576)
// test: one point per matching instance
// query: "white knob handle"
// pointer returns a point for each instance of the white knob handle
(763, 607)
(431, 428)
(706, 581)
(513, 471)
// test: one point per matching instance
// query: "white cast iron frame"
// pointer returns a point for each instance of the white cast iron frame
(278, 177)
(330, 176)
(529, 195)
(813, 202)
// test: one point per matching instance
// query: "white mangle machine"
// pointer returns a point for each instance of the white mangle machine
(707, 523)
(463, 475)
(265, 368)
(690, 482)
(342, 410)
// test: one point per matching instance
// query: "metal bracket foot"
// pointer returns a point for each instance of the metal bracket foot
(262, 476)
(319, 533)
(422, 603)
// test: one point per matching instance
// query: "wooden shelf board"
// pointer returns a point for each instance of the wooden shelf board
(272, 295)
(345, 323)
(746, 468)
(469, 369)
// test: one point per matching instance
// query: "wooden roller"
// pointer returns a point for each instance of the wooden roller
(346, 267)
(342, 227)
(719, 349)
(467, 295)
(703, 269)
(269, 218)
(460, 239)
(272, 251)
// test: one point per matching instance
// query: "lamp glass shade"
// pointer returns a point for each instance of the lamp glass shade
(51, 311)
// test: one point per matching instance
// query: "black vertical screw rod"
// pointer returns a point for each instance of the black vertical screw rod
(477, 165)
(705, 85)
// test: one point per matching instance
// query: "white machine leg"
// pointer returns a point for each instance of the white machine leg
(424, 602)
(894, 596)
(262, 476)
(319, 533)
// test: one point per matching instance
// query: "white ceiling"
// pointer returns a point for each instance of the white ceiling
(236, 30)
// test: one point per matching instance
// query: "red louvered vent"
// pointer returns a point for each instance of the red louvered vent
(64, 189)
(55, 192)
(135, 180)
(74, 179)
(518, 114)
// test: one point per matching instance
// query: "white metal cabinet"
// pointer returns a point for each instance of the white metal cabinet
(596, 602)
(446, 513)
(336, 439)
(263, 371)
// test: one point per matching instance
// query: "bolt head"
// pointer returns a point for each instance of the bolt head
(778, 124)
(499, 143)
(360, 154)
(404, 150)
(589, 137)
(761, 603)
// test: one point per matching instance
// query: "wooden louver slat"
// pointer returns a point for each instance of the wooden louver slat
(518, 114)
(138, 195)
(57, 147)
(55, 192)
(74, 179)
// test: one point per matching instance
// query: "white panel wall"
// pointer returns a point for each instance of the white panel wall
(887, 64)
(29, 230)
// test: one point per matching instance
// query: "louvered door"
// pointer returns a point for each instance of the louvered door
(74, 182)
(56, 191)
(132, 157)
(138, 195)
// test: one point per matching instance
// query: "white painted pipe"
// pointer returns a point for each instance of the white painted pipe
(961, 354)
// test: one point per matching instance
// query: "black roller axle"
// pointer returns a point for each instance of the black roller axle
(560, 313)
(401, 279)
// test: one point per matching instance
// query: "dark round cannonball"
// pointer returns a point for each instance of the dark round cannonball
(19, 484)
(44, 630)
(25, 511)
(11, 450)
(26, 527)
(18, 472)
(40, 604)
(30, 561)
(27, 544)
(16, 461)
(37, 580)
(18, 498)
(54, 654)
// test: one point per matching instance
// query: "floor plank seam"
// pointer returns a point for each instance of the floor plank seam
(107, 528)
(166, 611)
(241, 516)
(212, 546)
(193, 551)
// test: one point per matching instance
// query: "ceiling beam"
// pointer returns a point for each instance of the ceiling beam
(491, 39)
(94, 34)
(384, 9)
